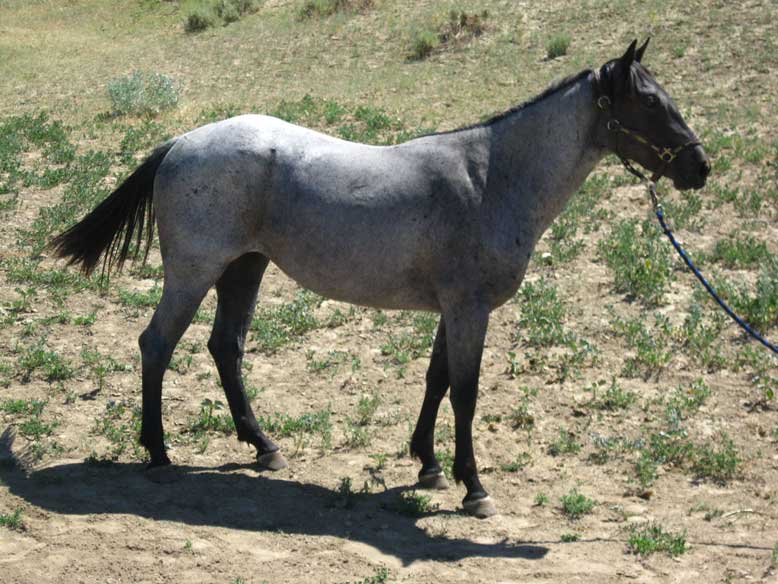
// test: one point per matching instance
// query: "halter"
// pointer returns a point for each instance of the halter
(666, 154)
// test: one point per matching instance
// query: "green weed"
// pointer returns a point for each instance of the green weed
(653, 538)
(542, 313)
(12, 521)
(415, 504)
(566, 443)
(575, 505)
(614, 398)
(718, 463)
(518, 464)
(209, 420)
(541, 500)
(23, 407)
(120, 424)
(273, 328)
(53, 366)
(640, 263)
(569, 537)
(652, 345)
(741, 252)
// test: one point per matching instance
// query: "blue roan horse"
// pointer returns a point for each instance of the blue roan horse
(444, 223)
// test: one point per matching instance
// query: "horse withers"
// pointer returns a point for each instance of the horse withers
(445, 223)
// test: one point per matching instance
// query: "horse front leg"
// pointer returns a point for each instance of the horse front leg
(423, 440)
(466, 324)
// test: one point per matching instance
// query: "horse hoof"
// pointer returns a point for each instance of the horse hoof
(272, 461)
(433, 480)
(164, 474)
(481, 508)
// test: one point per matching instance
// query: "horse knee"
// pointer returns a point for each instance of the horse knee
(153, 347)
(222, 347)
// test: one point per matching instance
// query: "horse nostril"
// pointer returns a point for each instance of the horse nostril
(705, 169)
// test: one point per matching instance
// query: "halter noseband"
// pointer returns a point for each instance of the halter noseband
(666, 154)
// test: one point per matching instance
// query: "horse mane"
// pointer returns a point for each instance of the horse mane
(551, 89)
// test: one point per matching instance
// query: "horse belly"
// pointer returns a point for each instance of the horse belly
(355, 256)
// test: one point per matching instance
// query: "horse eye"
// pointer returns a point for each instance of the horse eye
(651, 101)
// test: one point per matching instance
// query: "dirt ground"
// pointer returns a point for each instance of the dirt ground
(88, 511)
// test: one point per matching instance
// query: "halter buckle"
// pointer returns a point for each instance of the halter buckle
(604, 102)
(667, 155)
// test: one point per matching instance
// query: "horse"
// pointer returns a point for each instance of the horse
(445, 222)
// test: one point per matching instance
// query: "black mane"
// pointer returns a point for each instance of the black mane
(553, 88)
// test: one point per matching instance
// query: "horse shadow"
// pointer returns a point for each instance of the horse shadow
(201, 496)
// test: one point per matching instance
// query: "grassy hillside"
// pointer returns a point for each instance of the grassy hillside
(625, 428)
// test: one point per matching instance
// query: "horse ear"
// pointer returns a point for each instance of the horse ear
(641, 50)
(629, 56)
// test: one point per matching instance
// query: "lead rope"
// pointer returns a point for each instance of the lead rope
(659, 212)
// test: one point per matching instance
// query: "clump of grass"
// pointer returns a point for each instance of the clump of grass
(557, 45)
(640, 263)
(653, 538)
(323, 8)
(142, 93)
(460, 28)
(565, 444)
(614, 398)
(575, 505)
(209, 420)
(12, 520)
(415, 504)
(718, 463)
(569, 537)
(741, 252)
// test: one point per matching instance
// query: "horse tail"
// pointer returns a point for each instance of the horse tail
(108, 231)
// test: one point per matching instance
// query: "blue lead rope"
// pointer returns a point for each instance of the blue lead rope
(743, 324)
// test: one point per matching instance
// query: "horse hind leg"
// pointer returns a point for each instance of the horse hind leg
(237, 291)
(180, 299)
(423, 441)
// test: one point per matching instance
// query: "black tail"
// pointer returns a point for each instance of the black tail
(109, 229)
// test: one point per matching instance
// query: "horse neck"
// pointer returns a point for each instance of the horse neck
(541, 154)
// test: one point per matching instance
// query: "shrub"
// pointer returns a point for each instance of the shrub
(199, 19)
(142, 93)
